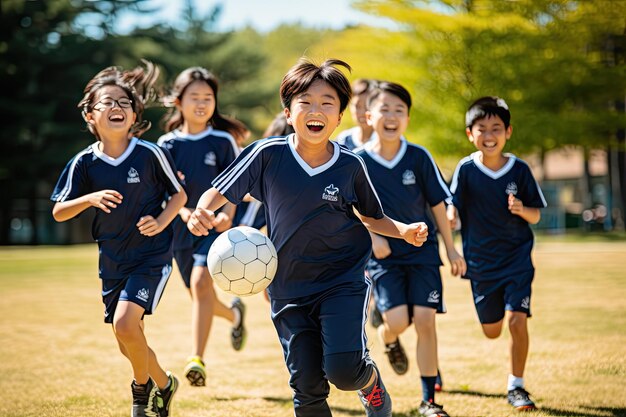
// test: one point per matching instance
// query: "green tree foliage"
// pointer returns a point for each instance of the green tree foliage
(547, 58)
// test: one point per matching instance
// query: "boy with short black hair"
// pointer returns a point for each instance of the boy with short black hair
(318, 197)
(497, 197)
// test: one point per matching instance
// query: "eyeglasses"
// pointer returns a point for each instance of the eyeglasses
(123, 103)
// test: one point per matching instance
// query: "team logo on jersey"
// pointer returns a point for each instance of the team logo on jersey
(133, 176)
(210, 159)
(511, 188)
(526, 302)
(331, 193)
(408, 178)
(434, 296)
(143, 294)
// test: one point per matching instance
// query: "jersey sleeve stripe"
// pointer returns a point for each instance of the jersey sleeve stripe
(443, 184)
(70, 176)
(226, 179)
(167, 168)
(366, 176)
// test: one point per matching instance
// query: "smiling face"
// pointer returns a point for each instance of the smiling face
(197, 104)
(112, 112)
(314, 114)
(389, 117)
(489, 135)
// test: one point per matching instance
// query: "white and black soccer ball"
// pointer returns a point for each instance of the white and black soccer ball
(242, 261)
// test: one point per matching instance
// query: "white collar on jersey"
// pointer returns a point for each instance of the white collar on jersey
(114, 161)
(369, 148)
(306, 167)
(493, 174)
(196, 136)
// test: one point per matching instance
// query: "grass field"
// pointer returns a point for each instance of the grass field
(58, 359)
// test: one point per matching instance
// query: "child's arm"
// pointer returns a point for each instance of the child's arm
(105, 200)
(414, 233)
(149, 226)
(531, 214)
(380, 246)
(457, 263)
(203, 217)
(224, 219)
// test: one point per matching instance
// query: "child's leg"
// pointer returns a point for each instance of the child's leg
(519, 342)
(301, 341)
(424, 319)
(202, 310)
(156, 372)
(395, 321)
(129, 332)
(492, 330)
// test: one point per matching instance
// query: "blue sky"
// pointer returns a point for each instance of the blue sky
(263, 15)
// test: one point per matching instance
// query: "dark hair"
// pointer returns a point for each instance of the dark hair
(300, 77)
(485, 107)
(174, 118)
(363, 86)
(136, 83)
(278, 127)
(391, 88)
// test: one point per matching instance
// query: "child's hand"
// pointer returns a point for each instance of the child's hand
(105, 199)
(515, 205)
(457, 263)
(149, 226)
(380, 246)
(201, 221)
(181, 176)
(222, 222)
(416, 234)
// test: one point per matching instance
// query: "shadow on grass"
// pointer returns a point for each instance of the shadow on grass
(557, 412)
(349, 411)
(604, 411)
(474, 393)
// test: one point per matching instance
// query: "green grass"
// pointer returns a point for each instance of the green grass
(58, 359)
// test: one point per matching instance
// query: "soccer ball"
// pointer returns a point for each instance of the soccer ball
(242, 261)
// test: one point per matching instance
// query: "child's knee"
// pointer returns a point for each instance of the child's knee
(125, 329)
(424, 320)
(517, 323)
(347, 371)
(492, 330)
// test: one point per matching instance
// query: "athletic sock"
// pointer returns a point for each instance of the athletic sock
(515, 382)
(428, 388)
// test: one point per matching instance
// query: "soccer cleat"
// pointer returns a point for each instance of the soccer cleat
(396, 354)
(376, 319)
(430, 409)
(165, 397)
(145, 403)
(377, 401)
(195, 371)
(238, 334)
(439, 382)
(519, 398)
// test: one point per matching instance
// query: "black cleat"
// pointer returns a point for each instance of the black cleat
(165, 396)
(238, 334)
(145, 399)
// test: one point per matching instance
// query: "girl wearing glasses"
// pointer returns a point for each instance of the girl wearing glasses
(125, 180)
(203, 143)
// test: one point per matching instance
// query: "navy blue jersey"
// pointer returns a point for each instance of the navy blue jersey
(144, 174)
(201, 158)
(346, 138)
(408, 186)
(309, 211)
(250, 214)
(496, 242)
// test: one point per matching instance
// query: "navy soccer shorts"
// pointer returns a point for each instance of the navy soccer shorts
(493, 298)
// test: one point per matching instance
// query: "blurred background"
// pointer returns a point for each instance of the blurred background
(559, 64)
